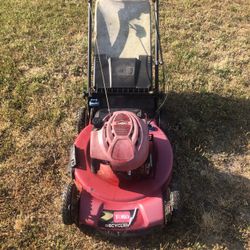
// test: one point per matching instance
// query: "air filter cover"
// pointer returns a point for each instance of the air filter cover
(122, 141)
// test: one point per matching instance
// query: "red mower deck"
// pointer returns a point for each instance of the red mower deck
(104, 191)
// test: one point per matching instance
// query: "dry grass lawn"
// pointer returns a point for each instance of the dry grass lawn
(43, 48)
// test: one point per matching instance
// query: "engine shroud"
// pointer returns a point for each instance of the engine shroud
(123, 141)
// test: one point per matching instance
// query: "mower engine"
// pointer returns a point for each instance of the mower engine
(122, 141)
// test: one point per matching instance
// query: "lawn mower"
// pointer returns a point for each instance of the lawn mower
(121, 161)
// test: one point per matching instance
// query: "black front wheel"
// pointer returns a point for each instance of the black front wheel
(70, 204)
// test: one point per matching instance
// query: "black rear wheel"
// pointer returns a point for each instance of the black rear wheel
(82, 119)
(70, 204)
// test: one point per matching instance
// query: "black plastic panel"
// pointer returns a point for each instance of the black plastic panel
(101, 113)
(144, 102)
(123, 73)
(98, 78)
(145, 72)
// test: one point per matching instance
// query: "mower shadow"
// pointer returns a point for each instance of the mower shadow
(125, 16)
(209, 137)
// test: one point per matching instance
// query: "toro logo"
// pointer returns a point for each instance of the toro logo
(121, 217)
(122, 123)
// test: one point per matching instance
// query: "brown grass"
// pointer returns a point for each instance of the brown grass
(207, 115)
